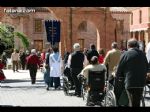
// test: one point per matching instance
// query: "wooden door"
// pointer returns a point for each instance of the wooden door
(38, 45)
(81, 42)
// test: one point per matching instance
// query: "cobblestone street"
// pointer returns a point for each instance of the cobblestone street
(17, 90)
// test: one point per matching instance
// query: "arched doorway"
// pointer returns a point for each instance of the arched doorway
(87, 34)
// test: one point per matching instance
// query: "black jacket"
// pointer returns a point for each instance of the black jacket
(77, 59)
(92, 53)
(133, 66)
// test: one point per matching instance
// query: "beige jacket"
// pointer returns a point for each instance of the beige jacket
(97, 67)
(15, 56)
(112, 58)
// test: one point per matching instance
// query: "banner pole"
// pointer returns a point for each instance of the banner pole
(52, 34)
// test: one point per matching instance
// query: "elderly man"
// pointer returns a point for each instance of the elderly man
(33, 63)
(76, 61)
(133, 67)
(111, 60)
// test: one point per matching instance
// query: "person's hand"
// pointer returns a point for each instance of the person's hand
(148, 76)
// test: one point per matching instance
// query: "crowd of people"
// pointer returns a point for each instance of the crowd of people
(132, 65)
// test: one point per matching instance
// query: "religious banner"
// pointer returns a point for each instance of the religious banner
(52, 31)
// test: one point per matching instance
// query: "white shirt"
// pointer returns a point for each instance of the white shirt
(148, 52)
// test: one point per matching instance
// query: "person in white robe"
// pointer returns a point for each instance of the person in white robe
(56, 66)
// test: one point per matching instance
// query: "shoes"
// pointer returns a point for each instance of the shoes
(47, 88)
(90, 104)
(32, 82)
(16, 71)
(58, 88)
(78, 95)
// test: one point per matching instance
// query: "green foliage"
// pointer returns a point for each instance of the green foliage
(7, 36)
(23, 38)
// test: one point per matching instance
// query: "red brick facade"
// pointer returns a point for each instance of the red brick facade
(85, 24)
(140, 24)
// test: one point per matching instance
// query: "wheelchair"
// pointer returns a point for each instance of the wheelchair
(146, 90)
(124, 99)
(96, 91)
(67, 81)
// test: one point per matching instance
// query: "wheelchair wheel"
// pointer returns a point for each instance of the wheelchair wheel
(142, 103)
(84, 94)
(110, 99)
(146, 90)
(65, 85)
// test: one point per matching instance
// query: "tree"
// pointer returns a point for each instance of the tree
(23, 38)
(7, 36)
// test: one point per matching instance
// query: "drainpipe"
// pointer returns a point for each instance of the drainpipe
(70, 27)
(105, 26)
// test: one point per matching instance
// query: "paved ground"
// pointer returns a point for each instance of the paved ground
(17, 90)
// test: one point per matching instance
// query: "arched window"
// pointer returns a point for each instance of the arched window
(83, 26)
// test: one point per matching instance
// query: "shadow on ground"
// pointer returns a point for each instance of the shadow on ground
(18, 80)
(19, 83)
(8, 106)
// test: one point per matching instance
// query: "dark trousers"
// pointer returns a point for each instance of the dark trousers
(136, 95)
(33, 71)
(67, 73)
(23, 65)
(56, 81)
(74, 73)
(15, 65)
(47, 78)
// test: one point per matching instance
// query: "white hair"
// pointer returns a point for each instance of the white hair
(33, 51)
(76, 46)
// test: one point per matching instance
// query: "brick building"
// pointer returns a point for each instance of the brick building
(122, 15)
(140, 24)
(98, 25)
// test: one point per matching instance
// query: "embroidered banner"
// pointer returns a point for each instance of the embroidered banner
(53, 31)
